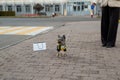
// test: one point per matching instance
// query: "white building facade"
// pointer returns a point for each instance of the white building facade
(61, 7)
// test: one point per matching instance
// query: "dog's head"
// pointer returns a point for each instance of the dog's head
(61, 39)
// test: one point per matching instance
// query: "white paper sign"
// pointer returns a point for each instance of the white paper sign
(39, 46)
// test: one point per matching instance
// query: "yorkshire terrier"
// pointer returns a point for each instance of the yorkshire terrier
(61, 46)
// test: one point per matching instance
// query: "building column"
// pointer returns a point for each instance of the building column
(23, 9)
(98, 10)
(61, 9)
(15, 8)
(4, 7)
(53, 10)
(44, 7)
(65, 9)
(32, 10)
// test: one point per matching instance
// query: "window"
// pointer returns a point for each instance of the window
(82, 6)
(74, 8)
(85, 6)
(57, 8)
(47, 8)
(1, 7)
(27, 8)
(75, 2)
(9, 8)
(78, 8)
(19, 9)
(51, 8)
(78, 3)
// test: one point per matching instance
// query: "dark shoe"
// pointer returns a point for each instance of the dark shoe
(109, 46)
(103, 45)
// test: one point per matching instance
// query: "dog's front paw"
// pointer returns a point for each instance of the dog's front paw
(58, 55)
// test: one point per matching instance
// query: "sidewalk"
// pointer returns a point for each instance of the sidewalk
(86, 59)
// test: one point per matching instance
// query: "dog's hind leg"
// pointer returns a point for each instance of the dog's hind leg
(63, 54)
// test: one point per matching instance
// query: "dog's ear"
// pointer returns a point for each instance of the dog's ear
(64, 36)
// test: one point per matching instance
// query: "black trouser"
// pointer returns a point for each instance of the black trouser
(109, 25)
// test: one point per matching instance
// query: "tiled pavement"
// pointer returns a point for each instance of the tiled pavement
(86, 59)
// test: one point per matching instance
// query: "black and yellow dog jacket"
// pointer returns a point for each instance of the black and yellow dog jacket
(61, 48)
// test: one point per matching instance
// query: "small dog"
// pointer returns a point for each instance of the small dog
(61, 46)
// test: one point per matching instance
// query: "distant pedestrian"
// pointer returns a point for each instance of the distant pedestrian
(53, 14)
(109, 21)
(92, 10)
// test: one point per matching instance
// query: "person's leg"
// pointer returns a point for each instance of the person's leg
(112, 33)
(104, 25)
